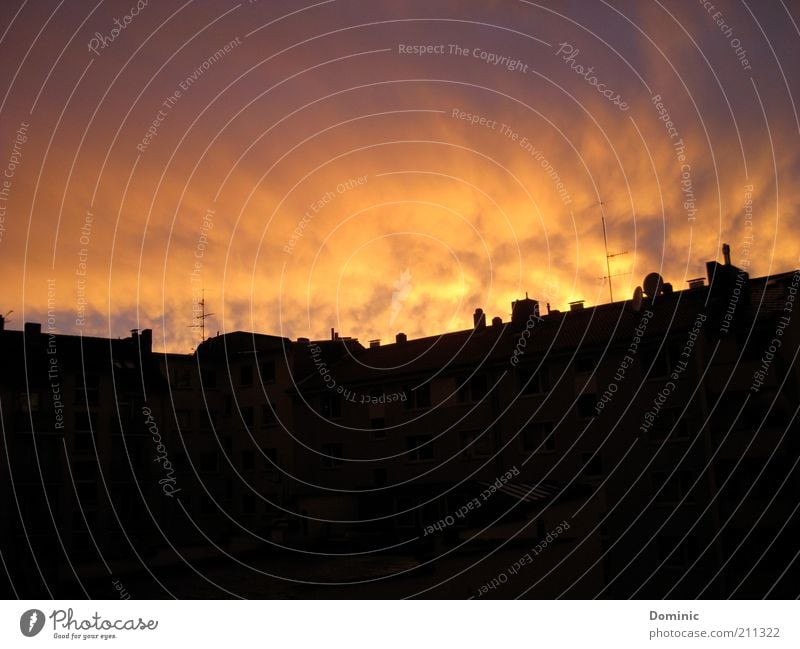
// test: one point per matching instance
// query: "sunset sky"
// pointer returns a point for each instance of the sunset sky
(309, 167)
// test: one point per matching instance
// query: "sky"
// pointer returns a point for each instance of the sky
(383, 167)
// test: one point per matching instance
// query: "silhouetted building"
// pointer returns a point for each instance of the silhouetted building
(662, 430)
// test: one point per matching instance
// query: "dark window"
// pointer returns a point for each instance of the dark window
(87, 390)
(84, 471)
(585, 406)
(675, 486)
(247, 416)
(267, 370)
(246, 375)
(207, 419)
(208, 462)
(270, 459)
(533, 380)
(85, 421)
(84, 441)
(476, 443)
(208, 378)
(592, 465)
(331, 406)
(184, 419)
(539, 435)
(182, 377)
(248, 460)
(675, 552)
(655, 361)
(472, 388)
(380, 477)
(268, 414)
(378, 427)
(585, 363)
(207, 505)
(248, 504)
(87, 493)
(669, 424)
(406, 513)
(419, 397)
(419, 448)
(228, 405)
(332, 455)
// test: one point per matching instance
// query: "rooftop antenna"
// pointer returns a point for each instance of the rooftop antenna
(202, 317)
(608, 274)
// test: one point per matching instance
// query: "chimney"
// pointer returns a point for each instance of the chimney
(726, 253)
(697, 282)
(2, 323)
(497, 321)
(32, 329)
(375, 343)
(146, 341)
(577, 305)
(479, 319)
(401, 338)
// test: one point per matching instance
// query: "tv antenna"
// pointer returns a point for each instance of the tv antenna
(202, 317)
(609, 256)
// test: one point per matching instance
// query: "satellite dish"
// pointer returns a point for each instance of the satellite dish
(652, 285)
(636, 300)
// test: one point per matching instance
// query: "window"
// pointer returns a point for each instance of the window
(207, 505)
(208, 378)
(184, 419)
(476, 443)
(228, 405)
(267, 370)
(332, 455)
(668, 424)
(585, 405)
(419, 397)
(539, 436)
(84, 441)
(28, 401)
(85, 421)
(208, 462)
(330, 406)
(585, 364)
(419, 448)
(248, 504)
(655, 361)
(247, 416)
(246, 375)
(675, 552)
(380, 477)
(592, 465)
(471, 388)
(378, 427)
(84, 471)
(675, 486)
(270, 459)
(533, 380)
(207, 419)
(268, 414)
(182, 377)
(87, 390)
(405, 513)
(248, 460)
